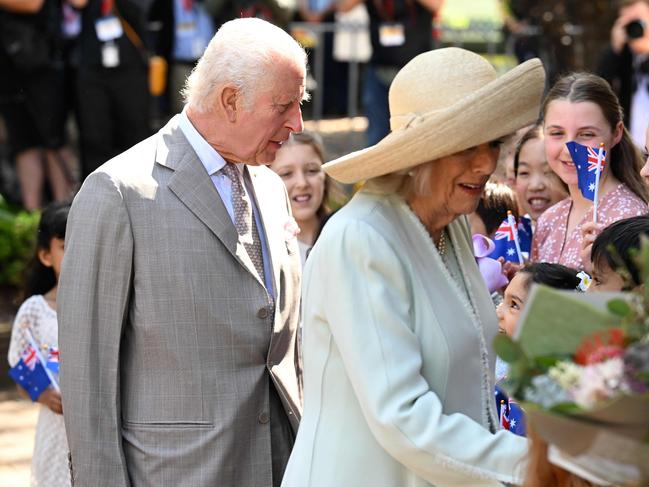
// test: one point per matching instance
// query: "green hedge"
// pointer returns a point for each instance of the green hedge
(17, 236)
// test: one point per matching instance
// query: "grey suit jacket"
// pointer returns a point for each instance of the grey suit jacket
(168, 340)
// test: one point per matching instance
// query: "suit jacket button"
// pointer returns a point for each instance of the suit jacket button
(264, 418)
(262, 314)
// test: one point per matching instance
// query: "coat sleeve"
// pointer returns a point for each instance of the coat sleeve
(371, 321)
(93, 300)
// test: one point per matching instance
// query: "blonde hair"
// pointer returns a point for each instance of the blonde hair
(414, 181)
(237, 54)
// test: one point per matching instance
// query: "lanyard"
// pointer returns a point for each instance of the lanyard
(386, 8)
(106, 7)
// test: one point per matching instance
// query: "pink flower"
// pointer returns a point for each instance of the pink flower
(291, 229)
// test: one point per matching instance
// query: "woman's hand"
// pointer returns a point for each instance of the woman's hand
(589, 232)
(52, 400)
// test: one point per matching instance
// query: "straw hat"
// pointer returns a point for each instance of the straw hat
(442, 102)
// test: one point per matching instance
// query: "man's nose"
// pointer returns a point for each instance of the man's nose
(294, 122)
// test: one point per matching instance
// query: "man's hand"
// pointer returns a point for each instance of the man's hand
(52, 400)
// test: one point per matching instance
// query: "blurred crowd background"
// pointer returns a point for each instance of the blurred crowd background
(65, 111)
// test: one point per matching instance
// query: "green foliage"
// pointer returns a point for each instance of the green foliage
(619, 307)
(17, 237)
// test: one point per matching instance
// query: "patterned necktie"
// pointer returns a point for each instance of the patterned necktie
(243, 218)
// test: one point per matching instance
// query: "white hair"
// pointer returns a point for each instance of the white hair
(241, 53)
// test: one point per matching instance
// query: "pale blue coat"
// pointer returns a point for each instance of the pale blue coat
(398, 370)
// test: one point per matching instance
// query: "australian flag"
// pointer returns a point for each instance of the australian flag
(504, 240)
(53, 360)
(510, 413)
(585, 159)
(30, 374)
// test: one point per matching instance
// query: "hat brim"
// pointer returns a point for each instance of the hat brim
(499, 108)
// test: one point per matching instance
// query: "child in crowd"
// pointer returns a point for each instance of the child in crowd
(509, 311)
(36, 323)
(581, 107)
(612, 260)
(496, 200)
(537, 186)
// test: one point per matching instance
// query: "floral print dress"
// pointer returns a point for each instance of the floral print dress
(550, 242)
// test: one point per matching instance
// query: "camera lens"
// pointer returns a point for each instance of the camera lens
(634, 29)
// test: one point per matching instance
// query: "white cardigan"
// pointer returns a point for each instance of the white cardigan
(398, 370)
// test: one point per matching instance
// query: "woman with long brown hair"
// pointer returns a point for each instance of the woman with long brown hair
(581, 107)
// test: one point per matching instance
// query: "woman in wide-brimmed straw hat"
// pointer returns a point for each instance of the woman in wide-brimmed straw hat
(398, 324)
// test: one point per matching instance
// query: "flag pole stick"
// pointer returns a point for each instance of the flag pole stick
(512, 223)
(600, 154)
(34, 345)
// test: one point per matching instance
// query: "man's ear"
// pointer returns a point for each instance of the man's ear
(229, 102)
(45, 256)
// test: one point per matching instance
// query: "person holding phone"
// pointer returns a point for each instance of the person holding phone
(625, 65)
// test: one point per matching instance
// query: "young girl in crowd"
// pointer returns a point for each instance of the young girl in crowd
(581, 107)
(37, 317)
(299, 164)
(509, 311)
(496, 200)
(614, 268)
(537, 186)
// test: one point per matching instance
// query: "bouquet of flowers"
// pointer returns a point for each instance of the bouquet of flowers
(579, 366)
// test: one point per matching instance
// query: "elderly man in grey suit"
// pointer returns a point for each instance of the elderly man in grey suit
(180, 285)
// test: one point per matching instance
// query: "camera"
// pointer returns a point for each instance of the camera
(635, 29)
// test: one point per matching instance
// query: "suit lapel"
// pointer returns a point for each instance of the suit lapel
(193, 186)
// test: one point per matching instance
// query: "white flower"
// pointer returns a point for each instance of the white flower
(599, 382)
(566, 374)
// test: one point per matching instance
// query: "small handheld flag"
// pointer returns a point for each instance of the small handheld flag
(512, 239)
(512, 417)
(30, 374)
(590, 163)
(53, 360)
(43, 362)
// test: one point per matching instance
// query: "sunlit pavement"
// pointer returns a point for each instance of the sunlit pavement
(17, 424)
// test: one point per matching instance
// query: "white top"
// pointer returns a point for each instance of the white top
(50, 458)
(639, 117)
(305, 248)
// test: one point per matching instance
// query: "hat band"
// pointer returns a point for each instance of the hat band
(398, 122)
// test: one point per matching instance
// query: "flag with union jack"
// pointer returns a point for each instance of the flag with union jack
(30, 374)
(53, 360)
(504, 240)
(585, 159)
(510, 413)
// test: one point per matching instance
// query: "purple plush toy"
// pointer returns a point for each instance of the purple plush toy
(491, 269)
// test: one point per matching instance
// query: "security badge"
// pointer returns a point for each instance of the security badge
(108, 29)
(392, 34)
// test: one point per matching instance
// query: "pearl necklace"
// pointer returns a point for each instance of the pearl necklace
(441, 245)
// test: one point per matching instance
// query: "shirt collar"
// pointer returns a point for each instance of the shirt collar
(210, 158)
